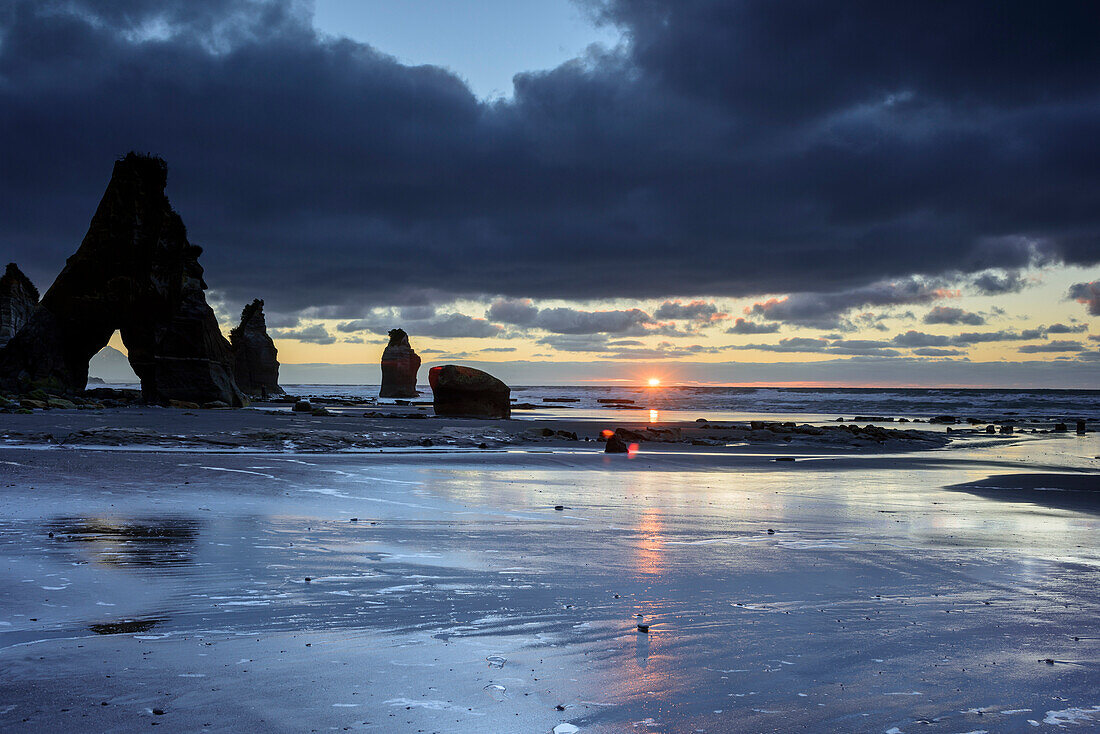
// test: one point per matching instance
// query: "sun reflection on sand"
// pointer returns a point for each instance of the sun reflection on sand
(650, 541)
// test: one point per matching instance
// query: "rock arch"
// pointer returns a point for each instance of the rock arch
(136, 272)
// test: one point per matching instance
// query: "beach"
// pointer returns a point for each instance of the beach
(541, 585)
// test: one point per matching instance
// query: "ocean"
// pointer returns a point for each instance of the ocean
(726, 402)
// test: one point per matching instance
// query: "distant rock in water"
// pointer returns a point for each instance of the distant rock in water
(399, 367)
(18, 299)
(135, 272)
(468, 392)
(113, 366)
(255, 358)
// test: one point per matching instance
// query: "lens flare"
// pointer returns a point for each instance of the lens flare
(654, 381)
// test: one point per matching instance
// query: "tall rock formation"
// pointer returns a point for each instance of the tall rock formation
(135, 272)
(468, 393)
(18, 299)
(399, 367)
(255, 358)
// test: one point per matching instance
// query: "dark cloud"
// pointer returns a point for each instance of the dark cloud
(860, 347)
(741, 326)
(936, 352)
(518, 311)
(563, 320)
(731, 148)
(702, 312)
(967, 338)
(913, 338)
(315, 334)
(995, 283)
(1053, 346)
(952, 315)
(1066, 328)
(446, 326)
(583, 343)
(624, 348)
(825, 310)
(1088, 294)
(632, 321)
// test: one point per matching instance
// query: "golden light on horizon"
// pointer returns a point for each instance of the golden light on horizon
(654, 381)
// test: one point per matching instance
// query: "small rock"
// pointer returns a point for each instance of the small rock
(559, 508)
(183, 404)
(302, 406)
(616, 445)
(643, 628)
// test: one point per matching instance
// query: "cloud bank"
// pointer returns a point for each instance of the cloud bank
(847, 150)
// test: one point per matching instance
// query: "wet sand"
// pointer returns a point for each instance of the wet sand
(850, 592)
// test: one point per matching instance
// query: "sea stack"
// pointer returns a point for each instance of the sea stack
(399, 367)
(255, 358)
(18, 299)
(135, 272)
(469, 393)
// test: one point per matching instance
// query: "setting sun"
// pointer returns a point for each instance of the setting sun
(654, 382)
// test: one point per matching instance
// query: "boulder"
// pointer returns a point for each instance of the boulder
(399, 367)
(135, 272)
(255, 358)
(18, 299)
(616, 445)
(467, 392)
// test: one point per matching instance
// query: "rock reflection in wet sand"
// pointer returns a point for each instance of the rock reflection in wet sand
(161, 541)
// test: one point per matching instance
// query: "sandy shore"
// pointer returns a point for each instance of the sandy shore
(443, 590)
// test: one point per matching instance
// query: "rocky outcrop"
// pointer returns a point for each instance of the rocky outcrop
(467, 392)
(255, 358)
(399, 367)
(18, 299)
(135, 272)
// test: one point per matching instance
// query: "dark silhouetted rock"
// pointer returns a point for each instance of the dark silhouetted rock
(18, 299)
(467, 392)
(135, 272)
(255, 358)
(616, 445)
(399, 367)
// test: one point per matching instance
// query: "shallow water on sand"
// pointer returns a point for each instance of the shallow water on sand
(406, 592)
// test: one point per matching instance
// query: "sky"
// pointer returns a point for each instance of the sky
(710, 191)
